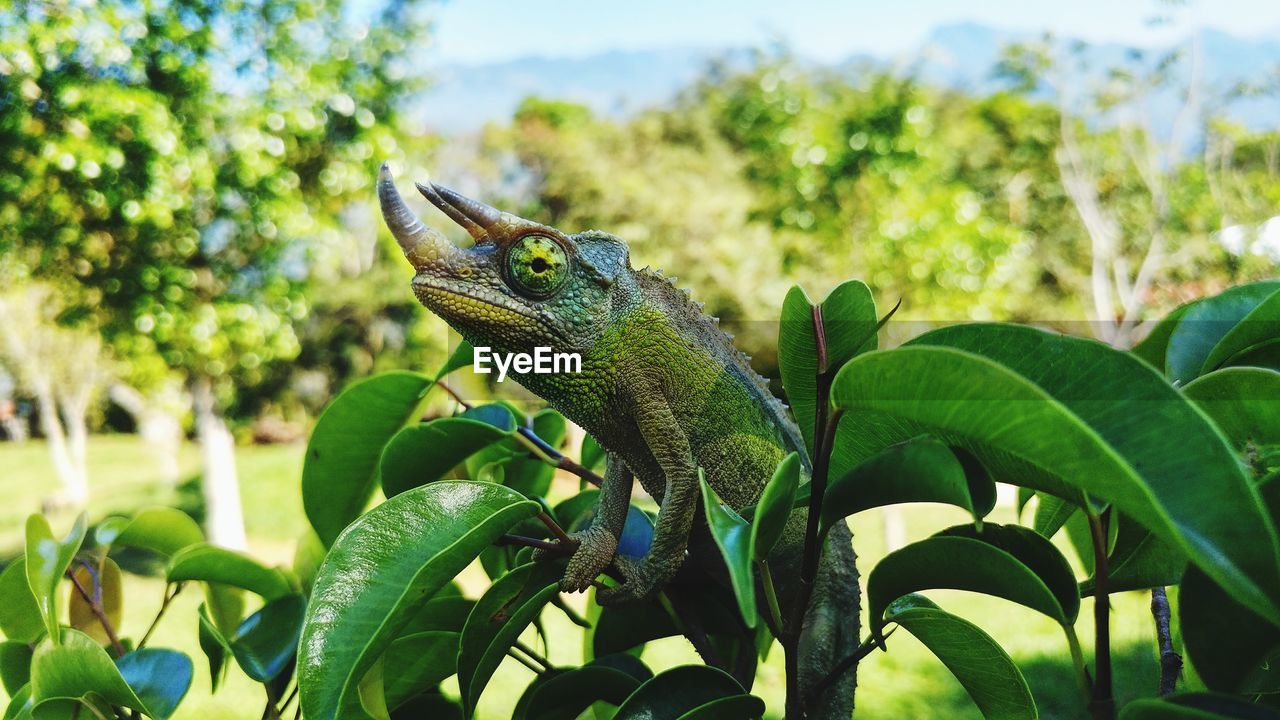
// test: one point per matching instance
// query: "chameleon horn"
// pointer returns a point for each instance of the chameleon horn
(477, 218)
(419, 243)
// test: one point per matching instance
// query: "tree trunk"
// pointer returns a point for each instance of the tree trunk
(224, 520)
(75, 488)
(158, 428)
(74, 416)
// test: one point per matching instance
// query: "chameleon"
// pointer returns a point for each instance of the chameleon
(662, 390)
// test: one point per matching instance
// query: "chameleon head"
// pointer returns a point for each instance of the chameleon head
(521, 285)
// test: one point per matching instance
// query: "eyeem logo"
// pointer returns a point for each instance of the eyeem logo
(543, 361)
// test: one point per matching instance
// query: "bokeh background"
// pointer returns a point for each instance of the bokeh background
(191, 264)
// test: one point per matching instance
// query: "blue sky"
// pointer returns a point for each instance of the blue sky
(480, 31)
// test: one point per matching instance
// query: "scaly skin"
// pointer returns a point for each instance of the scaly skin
(662, 389)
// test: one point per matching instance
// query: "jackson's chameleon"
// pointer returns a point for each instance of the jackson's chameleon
(661, 389)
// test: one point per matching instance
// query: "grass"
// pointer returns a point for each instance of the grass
(906, 681)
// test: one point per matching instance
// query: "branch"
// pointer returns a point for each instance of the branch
(95, 606)
(1170, 661)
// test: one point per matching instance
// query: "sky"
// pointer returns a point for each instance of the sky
(484, 31)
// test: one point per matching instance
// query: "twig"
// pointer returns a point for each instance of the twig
(456, 397)
(164, 605)
(556, 530)
(770, 593)
(1102, 704)
(522, 541)
(1170, 660)
(95, 606)
(849, 661)
(511, 653)
(533, 655)
(292, 694)
(542, 450)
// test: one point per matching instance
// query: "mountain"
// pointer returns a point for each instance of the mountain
(960, 56)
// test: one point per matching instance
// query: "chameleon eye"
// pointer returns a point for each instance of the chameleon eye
(537, 265)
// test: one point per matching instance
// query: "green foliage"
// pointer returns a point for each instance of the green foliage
(733, 537)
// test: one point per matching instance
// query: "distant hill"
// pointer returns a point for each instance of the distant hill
(961, 56)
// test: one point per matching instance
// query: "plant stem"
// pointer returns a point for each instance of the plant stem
(511, 653)
(849, 661)
(1077, 659)
(770, 594)
(1170, 660)
(164, 605)
(556, 530)
(549, 455)
(522, 541)
(95, 606)
(533, 655)
(1103, 704)
(456, 397)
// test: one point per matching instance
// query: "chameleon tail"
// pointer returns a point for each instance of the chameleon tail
(830, 633)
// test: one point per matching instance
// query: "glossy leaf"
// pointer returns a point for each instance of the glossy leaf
(426, 452)
(341, 466)
(985, 670)
(214, 645)
(1260, 326)
(267, 640)
(47, 559)
(920, 470)
(958, 563)
(1051, 514)
(1206, 323)
(15, 666)
(160, 678)
(730, 708)
(1023, 411)
(20, 617)
(421, 660)
(677, 691)
(774, 507)
(500, 615)
(1243, 402)
(1197, 706)
(213, 564)
(849, 323)
(78, 668)
(1138, 560)
(732, 535)
(161, 530)
(1155, 346)
(377, 572)
(106, 583)
(1035, 552)
(570, 693)
(461, 356)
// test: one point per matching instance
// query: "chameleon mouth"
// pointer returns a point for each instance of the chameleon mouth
(454, 303)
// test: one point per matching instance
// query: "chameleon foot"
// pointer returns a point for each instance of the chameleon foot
(641, 579)
(596, 546)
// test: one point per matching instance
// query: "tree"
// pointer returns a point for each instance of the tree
(180, 192)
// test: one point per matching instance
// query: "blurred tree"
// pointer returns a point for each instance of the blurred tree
(180, 170)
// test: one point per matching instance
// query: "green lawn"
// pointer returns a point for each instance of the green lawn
(905, 682)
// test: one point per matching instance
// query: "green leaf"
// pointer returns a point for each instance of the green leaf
(79, 669)
(730, 708)
(341, 466)
(159, 677)
(1243, 402)
(982, 666)
(421, 660)
(267, 640)
(424, 453)
(849, 324)
(377, 572)
(920, 470)
(573, 513)
(677, 691)
(1035, 552)
(1196, 706)
(106, 583)
(732, 535)
(500, 615)
(214, 646)
(774, 507)
(1260, 326)
(47, 560)
(592, 454)
(1124, 437)
(1206, 323)
(458, 359)
(1155, 346)
(19, 707)
(569, 693)
(1139, 560)
(213, 564)
(958, 563)
(1228, 645)
(159, 529)
(1051, 514)
(20, 617)
(15, 665)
